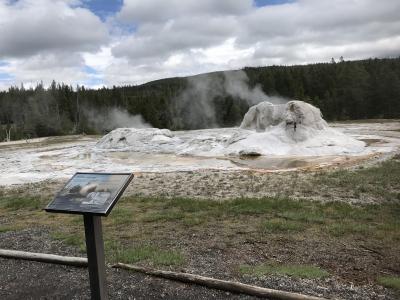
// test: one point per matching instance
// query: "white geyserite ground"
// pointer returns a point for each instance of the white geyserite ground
(155, 150)
(25, 162)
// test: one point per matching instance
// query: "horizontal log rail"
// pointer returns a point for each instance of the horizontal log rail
(230, 286)
(47, 258)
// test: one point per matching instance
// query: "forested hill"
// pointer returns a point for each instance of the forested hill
(343, 90)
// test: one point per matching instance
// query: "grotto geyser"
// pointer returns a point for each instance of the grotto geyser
(294, 128)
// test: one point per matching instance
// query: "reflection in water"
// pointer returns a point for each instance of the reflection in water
(245, 162)
(370, 142)
(86, 155)
(280, 163)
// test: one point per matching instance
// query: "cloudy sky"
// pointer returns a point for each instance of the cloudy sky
(116, 42)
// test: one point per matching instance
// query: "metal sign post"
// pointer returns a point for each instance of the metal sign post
(95, 255)
(93, 195)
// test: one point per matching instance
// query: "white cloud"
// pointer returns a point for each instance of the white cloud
(208, 38)
(153, 11)
(153, 39)
(30, 27)
(99, 60)
(44, 40)
(227, 55)
(47, 67)
(160, 40)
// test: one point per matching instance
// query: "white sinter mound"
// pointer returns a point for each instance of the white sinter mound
(140, 140)
(294, 128)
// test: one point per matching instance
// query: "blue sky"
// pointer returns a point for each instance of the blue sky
(104, 43)
(104, 8)
(5, 77)
(271, 2)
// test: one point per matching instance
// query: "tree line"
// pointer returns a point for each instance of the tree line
(343, 91)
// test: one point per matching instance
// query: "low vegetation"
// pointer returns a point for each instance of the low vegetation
(152, 254)
(72, 239)
(297, 271)
(144, 220)
(390, 282)
(26, 203)
(381, 181)
(8, 228)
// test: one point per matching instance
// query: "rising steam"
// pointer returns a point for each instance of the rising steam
(195, 105)
(104, 121)
(236, 84)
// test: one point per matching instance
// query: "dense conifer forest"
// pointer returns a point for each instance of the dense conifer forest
(343, 90)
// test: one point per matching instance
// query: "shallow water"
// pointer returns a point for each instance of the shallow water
(61, 157)
(285, 163)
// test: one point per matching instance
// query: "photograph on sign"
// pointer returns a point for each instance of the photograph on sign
(90, 193)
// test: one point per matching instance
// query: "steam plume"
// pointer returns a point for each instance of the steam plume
(113, 118)
(195, 106)
(236, 84)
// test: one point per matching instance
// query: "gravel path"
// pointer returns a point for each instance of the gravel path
(33, 280)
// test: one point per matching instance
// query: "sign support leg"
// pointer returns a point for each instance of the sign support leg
(95, 255)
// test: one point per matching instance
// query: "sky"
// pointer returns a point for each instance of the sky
(126, 42)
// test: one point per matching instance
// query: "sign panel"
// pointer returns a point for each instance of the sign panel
(90, 193)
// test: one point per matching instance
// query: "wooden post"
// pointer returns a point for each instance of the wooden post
(95, 255)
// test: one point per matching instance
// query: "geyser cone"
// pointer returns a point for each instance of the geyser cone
(294, 128)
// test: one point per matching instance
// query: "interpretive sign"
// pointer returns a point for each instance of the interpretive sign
(93, 195)
(90, 193)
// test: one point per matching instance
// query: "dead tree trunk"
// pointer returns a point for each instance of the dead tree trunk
(8, 134)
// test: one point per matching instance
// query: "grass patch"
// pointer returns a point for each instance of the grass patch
(272, 215)
(7, 228)
(297, 271)
(341, 211)
(390, 227)
(192, 206)
(121, 216)
(281, 226)
(260, 206)
(341, 229)
(162, 216)
(193, 221)
(380, 181)
(28, 203)
(304, 216)
(112, 249)
(71, 239)
(168, 258)
(138, 217)
(392, 282)
(152, 254)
